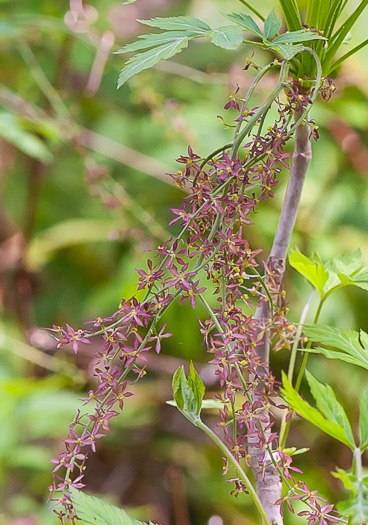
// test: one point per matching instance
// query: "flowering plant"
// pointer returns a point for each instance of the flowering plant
(224, 191)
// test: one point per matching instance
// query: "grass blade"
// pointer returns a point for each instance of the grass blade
(291, 14)
(347, 55)
(339, 36)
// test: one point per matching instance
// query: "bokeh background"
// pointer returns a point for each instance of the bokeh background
(84, 194)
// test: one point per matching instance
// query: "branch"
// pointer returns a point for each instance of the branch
(268, 480)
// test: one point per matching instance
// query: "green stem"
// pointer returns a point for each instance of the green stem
(279, 86)
(238, 468)
(249, 93)
(306, 354)
(253, 9)
(293, 354)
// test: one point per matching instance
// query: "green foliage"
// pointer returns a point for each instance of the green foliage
(178, 23)
(145, 60)
(329, 407)
(329, 417)
(363, 421)
(246, 22)
(343, 270)
(16, 131)
(291, 14)
(272, 25)
(338, 38)
(181, 29)
(356, 508)
(188, 393)
(227, 37)
(94, 511)
(346, 345)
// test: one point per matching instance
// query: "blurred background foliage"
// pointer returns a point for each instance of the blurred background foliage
(84, 194)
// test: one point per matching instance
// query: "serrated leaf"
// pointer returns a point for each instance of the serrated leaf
(155, 39)
(297, 36)
(272, 25)
(360, 278)
(93, 511)
(344, 345)
(329, 407)
(227, 37)
(177, 23)
(314, 271)
(247, 22)
(363, 421)
(147, 59)
(345, 264)
(311, 414)
(287, 51)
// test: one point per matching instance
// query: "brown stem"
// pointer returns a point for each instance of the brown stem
(268, 480)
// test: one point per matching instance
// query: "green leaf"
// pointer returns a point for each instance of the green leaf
(313, 415)
(286, 50)
(329, 407)
(147, 59)
(247, 22)
(344, 345)
(360, 278)
(130, 2)
(347, 55)
(227, 37)
(346, 264)
(178, 23)
(314, 271)
(196, 385)
(317, 13)
(334, 12)
(347, 478)
(188, 394)
(272, 25)
(356, 509)
(14, 130)
(291, 14)
(178, 378)
(207, 404)
(155, 39)
(297, 36)
(363, 421)
(93, 511)
(340, 35)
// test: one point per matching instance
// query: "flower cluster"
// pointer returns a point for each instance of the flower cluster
(224, 192)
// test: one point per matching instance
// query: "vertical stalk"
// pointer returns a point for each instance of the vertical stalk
(268, 480)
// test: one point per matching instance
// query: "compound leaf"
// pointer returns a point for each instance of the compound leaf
(147, 59)
(247, 22)
(94, 511)
(297, 36)
(272, 25)
(178, 23)
(227, 37)
(311, 414)
(155, 39)
(329, 407)
(346, 345)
